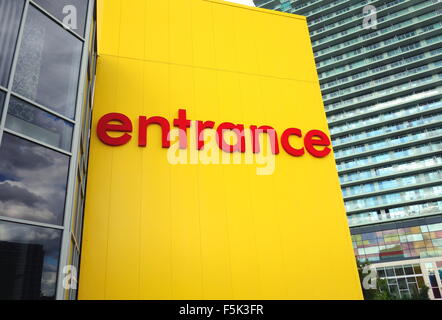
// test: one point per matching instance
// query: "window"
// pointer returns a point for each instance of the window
(48, 64)
(28, 261)
(32, 181)
(2, 100)
(38, 124)
(10, 13)
(390, 272)
(73, 11)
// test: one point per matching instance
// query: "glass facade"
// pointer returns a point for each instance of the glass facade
(47, 74)
(406, 278)
(10, 13)
(380, 71)
(398, 240)
(403, 280)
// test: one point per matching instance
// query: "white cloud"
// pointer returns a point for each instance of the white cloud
(246, 2)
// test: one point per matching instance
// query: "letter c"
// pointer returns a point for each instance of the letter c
(286, 144)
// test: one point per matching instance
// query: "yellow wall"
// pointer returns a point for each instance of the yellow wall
(158, 231)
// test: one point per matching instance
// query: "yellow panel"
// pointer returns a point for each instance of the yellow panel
(132, 22)
(154, 230)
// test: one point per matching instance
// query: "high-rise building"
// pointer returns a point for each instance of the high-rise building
(21, 271)
(380, 69)
(281, 5)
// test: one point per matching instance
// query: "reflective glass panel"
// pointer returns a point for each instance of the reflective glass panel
(71, 12)
(10, 13)
(408, 270)
(390, 272)
(38, 124)
(48, 64)
(417, 269)
(28, 261)
(32, 181)
(399, 271)
(2, 100)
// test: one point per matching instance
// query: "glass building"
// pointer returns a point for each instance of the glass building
(47, 68)
(380, 69)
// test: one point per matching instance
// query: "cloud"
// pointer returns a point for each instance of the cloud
(245, 2)
(14, 193)
(32, 181)
(16, 155)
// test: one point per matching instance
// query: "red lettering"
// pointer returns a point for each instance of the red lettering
(200, 126)
(316, 142)
(286, 143)
(104, 126)
(240, 145)
(317, 138)
(273, 138)
(145, 123)
(182, 123)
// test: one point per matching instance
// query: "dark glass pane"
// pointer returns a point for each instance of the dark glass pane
(402, 284)
(392, 281)
(2, 100)
(71, 12)
(381, 272)
(28, 261)
(390, 272)
(433, 280)
(48, 64)
(10, 14)
(408, 270)
(420, 281)
(32, 181)
(436, 293)
(417, 269)
(38, 124)
(399, 271)
(394, 290)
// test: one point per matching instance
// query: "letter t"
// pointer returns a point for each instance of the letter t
(182, 123)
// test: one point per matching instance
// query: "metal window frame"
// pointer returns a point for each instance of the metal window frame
(66, 237)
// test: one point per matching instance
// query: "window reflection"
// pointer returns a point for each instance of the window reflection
(32, 181)
(10, 13)
(393, 155)
(67, 11)
(28, 261)
(48, 64)
(38, 124)
(2, 100)
(393, 198)
(398, 243)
